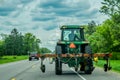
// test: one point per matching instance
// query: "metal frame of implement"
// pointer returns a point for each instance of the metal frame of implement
(75, 55)
(105, 56)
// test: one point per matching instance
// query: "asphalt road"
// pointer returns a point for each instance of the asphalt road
(30, 70)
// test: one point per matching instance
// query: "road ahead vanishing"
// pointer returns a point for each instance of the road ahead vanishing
(30, 70)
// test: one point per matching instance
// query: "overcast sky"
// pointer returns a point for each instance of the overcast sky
(44, 17)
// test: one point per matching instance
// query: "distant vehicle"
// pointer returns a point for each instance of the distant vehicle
(33, 56)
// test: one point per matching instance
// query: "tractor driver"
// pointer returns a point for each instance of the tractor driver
(72, 36)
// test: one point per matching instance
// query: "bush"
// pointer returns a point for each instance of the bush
(115, 56)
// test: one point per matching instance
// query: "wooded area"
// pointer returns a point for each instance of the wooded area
(18, 44)
(105, 37)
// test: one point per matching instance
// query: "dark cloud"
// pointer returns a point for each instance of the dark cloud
(4, 11)
(42, 18)
(63, 8)
(6, 7)
(51, 4)
(26, 1)
(60, 11)
(48, 28)
(35, 27)
(7, 23)
(86, 14)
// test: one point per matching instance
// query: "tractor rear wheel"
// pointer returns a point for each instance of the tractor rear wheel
(58, 63)
(88, 49)
(58, 67)
(89, 66)
(87, 70)
(76, 69)
(89, 63)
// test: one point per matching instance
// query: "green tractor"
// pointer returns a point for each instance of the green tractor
(72, 49)
(73, 42)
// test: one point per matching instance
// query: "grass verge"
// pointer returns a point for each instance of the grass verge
(7, 59)
(115, 64)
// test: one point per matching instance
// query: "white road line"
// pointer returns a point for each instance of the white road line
(78, 74)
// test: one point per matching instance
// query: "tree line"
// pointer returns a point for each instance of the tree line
(105, 37)
(17, 44)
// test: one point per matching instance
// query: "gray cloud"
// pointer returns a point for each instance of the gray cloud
(6, 7)
(87, 13)
(25, 1)
(35, 27)
(42, 18)
(63, 7)
(4, 11)
(2, 28)
(48, 28)
(51, 3)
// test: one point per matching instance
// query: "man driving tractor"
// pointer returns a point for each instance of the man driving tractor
(73, 36)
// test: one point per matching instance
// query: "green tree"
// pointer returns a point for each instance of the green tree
(110, 7)
(18, 44)
(91, 28)
(45, 50)
(96, 42)
(1, 48)
(2, 44)
(37, 42)
(111, 27)
(14, 43)
(31, 43)
(106, 37)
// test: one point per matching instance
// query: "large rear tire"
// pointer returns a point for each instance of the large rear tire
(88, 49)
(87, 71)
(58, 63)
(89, 63)
(58, 67)
(88, 66)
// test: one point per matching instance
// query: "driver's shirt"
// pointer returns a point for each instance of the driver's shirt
(71, 37)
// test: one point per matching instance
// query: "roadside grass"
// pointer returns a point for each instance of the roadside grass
(7, 59)
(115, 64)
